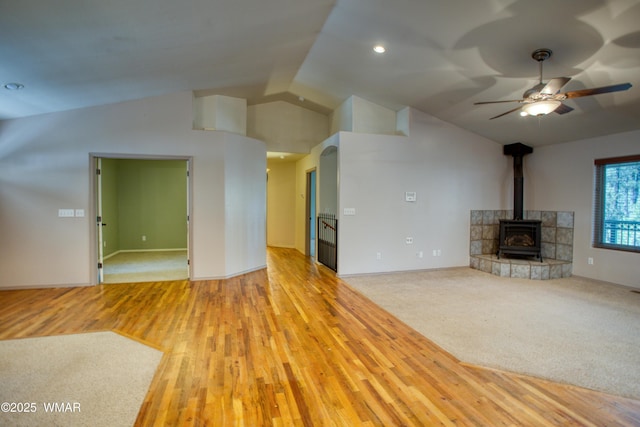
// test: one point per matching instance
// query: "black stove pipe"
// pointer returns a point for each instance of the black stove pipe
(518, 151)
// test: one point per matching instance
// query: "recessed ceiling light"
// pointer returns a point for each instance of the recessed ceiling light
(379, 49)
(14, 86)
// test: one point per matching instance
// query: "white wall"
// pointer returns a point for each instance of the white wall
(451, 170)
(373, 118)
(356, 114)
(44, 166)
(286, 127)
(342, 117)
(403, 122)
(245, 200)
(561, 178)
(217, 112)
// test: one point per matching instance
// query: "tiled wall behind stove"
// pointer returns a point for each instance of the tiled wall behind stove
(557, 232)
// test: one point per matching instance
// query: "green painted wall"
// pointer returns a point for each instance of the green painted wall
(145, 198)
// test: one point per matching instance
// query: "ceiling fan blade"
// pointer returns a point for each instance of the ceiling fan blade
(597, 90)
(497, 102)
(504, 114)
(554, 85)
(563, 109)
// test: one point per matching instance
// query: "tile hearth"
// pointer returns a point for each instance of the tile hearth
(557, 245)
(522, 268)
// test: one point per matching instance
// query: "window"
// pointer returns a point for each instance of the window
(617, 203)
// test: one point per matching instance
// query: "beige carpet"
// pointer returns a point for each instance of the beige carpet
(96, 379)
(151, 266)
(573, 330)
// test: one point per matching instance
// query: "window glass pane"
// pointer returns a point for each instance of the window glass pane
(620, 207)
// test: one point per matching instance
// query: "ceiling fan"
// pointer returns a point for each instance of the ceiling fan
(545, 98)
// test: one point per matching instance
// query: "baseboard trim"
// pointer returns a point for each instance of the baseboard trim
(45, 286)
(141, 250)
(382, 273)
(251, 270)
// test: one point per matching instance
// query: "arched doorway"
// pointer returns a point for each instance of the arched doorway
(327, 229)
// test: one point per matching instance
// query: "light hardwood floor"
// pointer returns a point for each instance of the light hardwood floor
(293, 345)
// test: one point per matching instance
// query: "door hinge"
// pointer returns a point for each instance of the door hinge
(99, 265)
(99, 219)
(188, 262)
(98, 171)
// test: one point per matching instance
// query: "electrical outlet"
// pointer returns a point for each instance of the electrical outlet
(144, 238)
(409, 240)
(590, 261)
(378, 255)
(420, 254)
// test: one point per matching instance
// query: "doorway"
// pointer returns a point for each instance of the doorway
(142, 212)
(327, 230)
(311, 214)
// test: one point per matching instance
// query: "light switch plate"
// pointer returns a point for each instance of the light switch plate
(349, 211)
(410, 196)
(66, 213)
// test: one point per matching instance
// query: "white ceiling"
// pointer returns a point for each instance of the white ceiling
(442, 56)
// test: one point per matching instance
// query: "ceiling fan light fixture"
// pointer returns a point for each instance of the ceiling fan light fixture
(540, 108)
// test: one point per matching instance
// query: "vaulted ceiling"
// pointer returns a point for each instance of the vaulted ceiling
(441, 56)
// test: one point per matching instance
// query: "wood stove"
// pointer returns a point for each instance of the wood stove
(519, 236)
